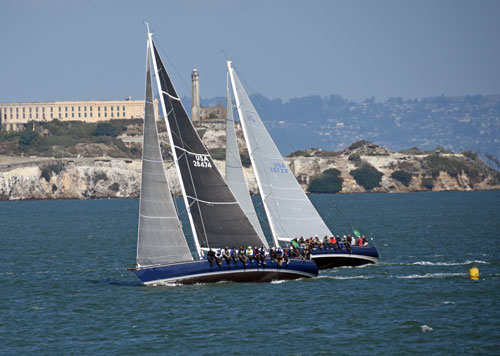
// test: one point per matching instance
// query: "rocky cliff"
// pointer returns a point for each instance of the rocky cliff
(89, 178)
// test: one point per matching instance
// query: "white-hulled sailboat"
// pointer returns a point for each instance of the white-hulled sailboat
(215, 216)
(288, 209)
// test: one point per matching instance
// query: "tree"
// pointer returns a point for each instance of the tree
(105, 129)
(27, 138)
(367, 176)
(328, 182)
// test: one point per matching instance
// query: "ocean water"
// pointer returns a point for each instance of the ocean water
(65, 288)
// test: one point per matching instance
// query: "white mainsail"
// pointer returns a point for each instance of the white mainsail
(234, 172)
(160, 236)
(290, 212)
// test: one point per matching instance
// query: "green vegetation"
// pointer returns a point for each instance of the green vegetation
(402, 176)
(48, 170)
(358, 144)
(69, 138)
(105, 129)
(452, 166)
(411, 151)
(427, 183)
(471, 155)
(328, 182)
(218, 154)
(114, 187)
(299, 153)
(27, 138)
(416, 151)
(367, 176)
(100, 176)
(356, 159)
(245, 159)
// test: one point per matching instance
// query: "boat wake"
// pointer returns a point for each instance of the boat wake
(432, 275)
(468, 262)
(346, 277)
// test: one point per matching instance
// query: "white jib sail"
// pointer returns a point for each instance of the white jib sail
(288, 209)
(234, 173)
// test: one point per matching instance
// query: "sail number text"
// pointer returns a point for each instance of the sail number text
(279, 168)
(201, 161)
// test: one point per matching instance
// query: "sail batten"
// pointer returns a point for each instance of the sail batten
(295, 216)
(160, 236)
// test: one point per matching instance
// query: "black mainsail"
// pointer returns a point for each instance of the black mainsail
(216, 217)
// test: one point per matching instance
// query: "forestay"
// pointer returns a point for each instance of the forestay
(160, 237)
(216, 217)
(288, 209)
(234, 172)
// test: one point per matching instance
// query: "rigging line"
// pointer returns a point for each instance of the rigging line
(265, 108)
(173, 66)
(213, 202)
(191, 152)
(345, 217)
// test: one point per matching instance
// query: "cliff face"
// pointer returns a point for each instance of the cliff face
(89, 178)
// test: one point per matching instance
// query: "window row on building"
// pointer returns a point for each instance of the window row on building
(14, 115)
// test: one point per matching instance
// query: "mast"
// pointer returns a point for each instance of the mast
(174, 153)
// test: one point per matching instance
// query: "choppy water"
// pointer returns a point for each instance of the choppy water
(64, 287)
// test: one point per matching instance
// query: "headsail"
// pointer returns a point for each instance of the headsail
(288, 209)
(234, 172)
(160, 237)
(216, 217)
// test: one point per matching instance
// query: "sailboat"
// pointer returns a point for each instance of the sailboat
(215, 216)
(289, 211)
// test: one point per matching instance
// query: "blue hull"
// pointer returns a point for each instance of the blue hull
(200, 271)
(330, 258)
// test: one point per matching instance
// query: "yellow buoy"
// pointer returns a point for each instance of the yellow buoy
(474, 273)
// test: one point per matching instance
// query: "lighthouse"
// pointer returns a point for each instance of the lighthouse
(195, 107)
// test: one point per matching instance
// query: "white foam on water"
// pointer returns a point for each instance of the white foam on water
(432, 275)
(448, 302)
(278, 281)
(425, 328)
(468, 262)
(347, 277)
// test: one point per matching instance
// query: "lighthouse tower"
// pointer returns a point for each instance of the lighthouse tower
(195, 107)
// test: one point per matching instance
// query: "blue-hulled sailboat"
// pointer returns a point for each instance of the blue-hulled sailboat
(289, 211)
(215, 216)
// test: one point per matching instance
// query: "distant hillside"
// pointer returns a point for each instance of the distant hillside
(361, 167)
(469, 123)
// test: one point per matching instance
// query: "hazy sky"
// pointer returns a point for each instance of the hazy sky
(95, 49)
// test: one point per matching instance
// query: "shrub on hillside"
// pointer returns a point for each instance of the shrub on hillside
(218, 154)
(402, 176)
(245, 159)
(27, 138)
(367, 176)
(427, 183)
(328, 182)
(105, 129)
(449, 165)
(50, 169)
